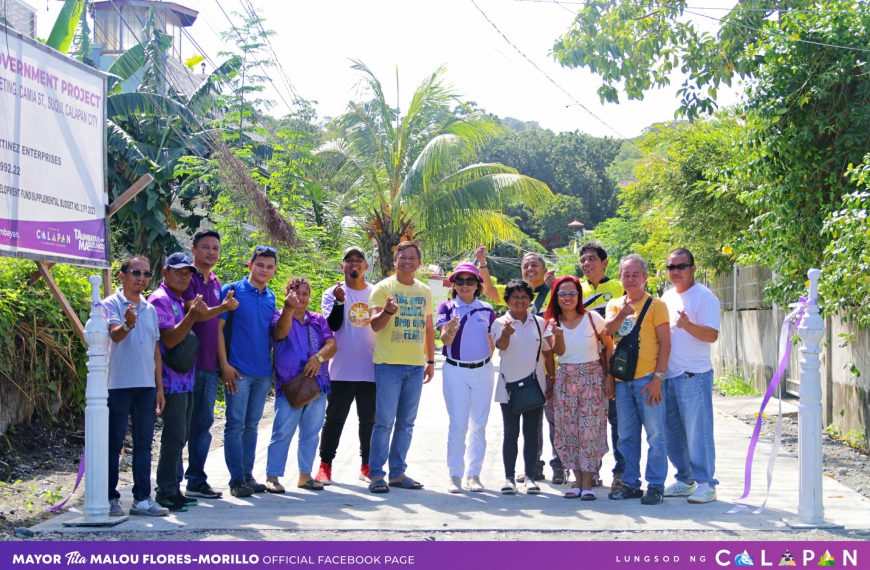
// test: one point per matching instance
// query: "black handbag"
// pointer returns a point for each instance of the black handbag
(623, 363)
(302, 390)
(525, 394)
(182, 356)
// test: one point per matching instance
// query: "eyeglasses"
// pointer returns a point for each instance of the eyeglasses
(264, 248)
(465, 281)
(679, 266)
(567, 294)
(139, 273)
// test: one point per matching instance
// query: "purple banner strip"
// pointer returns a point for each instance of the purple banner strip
(435, 555)
(79, 475)
(83, 239)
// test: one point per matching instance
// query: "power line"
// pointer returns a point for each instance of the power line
(544, 73)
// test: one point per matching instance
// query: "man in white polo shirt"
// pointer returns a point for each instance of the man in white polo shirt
(694, 312)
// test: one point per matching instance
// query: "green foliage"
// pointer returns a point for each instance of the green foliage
(548, 224)
(732, 383)
(64, 30)
(856, 439)
(629, 158)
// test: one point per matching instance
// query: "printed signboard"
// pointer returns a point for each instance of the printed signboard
(52, 155)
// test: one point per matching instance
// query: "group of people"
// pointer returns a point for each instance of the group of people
(374, 344)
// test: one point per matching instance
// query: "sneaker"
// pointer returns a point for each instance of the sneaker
(625, 493)
(174, 504)
(148, 508)
(255, 487)
(531, 487)
(474, 485)
(204, 491)
(115, 509)
(704, 494)
(189, 501)
(365, 474)
(509, 487)
(324, 474)
(455, 485)
(652, 497)
(680, 489)
(241, 490)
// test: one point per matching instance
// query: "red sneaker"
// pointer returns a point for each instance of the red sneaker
(365, 473)
(325, 474)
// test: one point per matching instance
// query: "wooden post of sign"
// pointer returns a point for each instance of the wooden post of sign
(45, 272)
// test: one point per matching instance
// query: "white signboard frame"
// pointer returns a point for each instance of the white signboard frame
(53, 198)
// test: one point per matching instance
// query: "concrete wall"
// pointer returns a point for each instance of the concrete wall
(748, 344)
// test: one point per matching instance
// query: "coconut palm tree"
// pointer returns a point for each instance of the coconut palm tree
(415, 173)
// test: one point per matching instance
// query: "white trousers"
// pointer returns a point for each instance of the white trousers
(468, 395)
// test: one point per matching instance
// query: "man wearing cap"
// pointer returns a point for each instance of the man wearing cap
(351, 370)
(206, 250)
(245, 357)
(174, 327)
(598, 289)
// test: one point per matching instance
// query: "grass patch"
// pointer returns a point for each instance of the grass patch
(733, 383)
(856, 439)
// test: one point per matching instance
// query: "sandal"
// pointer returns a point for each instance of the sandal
(572, 493)
(617, 484)
(596, 481)
(275, 487)
(311, 485)
(558, 476)
(405, 482)
(378, 486)
(587, 495)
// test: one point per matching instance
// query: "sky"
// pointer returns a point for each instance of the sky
(316, 40)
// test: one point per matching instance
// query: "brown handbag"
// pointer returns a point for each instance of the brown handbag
(602, 357)
(303, 389)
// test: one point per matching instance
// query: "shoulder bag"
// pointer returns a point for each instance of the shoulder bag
(182, 356)
(303, 389)
(623, 363)
(525, 394)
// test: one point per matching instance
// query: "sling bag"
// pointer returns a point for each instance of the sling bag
(623, 363)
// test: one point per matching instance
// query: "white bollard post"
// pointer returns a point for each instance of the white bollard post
(96, 507)
(811, 510)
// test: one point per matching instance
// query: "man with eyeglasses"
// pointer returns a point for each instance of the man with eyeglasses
(135, 383)
(401, 316)
(351, 370)
(245, 357)
(206, 250)
(598, 290)
(694, 312)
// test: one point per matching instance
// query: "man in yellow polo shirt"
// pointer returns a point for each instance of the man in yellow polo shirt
(639, 401)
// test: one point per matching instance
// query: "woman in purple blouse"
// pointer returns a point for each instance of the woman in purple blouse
(303, 343)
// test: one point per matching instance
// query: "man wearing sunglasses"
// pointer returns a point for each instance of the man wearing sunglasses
(245, 357)
(694, 312)
(135, 383)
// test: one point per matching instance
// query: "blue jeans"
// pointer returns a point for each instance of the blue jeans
(199, 438)
(398, 395)
(689, 423)
(140, 404)
(309, 420)
(244, 410)
(634, 412)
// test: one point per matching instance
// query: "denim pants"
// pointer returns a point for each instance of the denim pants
(398, 395)
(342, 394)
(140, 404)
(689, 423)
(244, 410)
(635, 413)
(509, 447)
(176, 424)
(199, 438)
(468, 395)
(309, 420)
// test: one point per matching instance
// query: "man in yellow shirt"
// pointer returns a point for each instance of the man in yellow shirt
(639, 401)
(404, 357)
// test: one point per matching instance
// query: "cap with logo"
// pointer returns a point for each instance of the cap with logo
(179, 260)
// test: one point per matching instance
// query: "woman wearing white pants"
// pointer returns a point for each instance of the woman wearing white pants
(464, 323)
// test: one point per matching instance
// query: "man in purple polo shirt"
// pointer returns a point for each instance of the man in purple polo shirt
(206, 251)
(174, 327)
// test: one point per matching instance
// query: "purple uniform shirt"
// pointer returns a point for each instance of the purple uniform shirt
(170, 312)
(291, 353)
(206, 331)
(472, 340)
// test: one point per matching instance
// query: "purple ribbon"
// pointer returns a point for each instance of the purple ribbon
(59, 506)
(771, 389)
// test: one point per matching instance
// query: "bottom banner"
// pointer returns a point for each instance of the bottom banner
(426, 555)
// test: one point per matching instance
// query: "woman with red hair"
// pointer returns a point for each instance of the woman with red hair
(581, 388)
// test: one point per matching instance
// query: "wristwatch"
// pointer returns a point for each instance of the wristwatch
(659, 375)
(319, 358)
(430, 362)
(125, 327)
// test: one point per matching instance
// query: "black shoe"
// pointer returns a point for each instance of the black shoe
(175, 503)
(189, 501)
(204, 491)
(241, 490)
(539, 474)
(653, 497)
(625, 493)
(255, 487)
